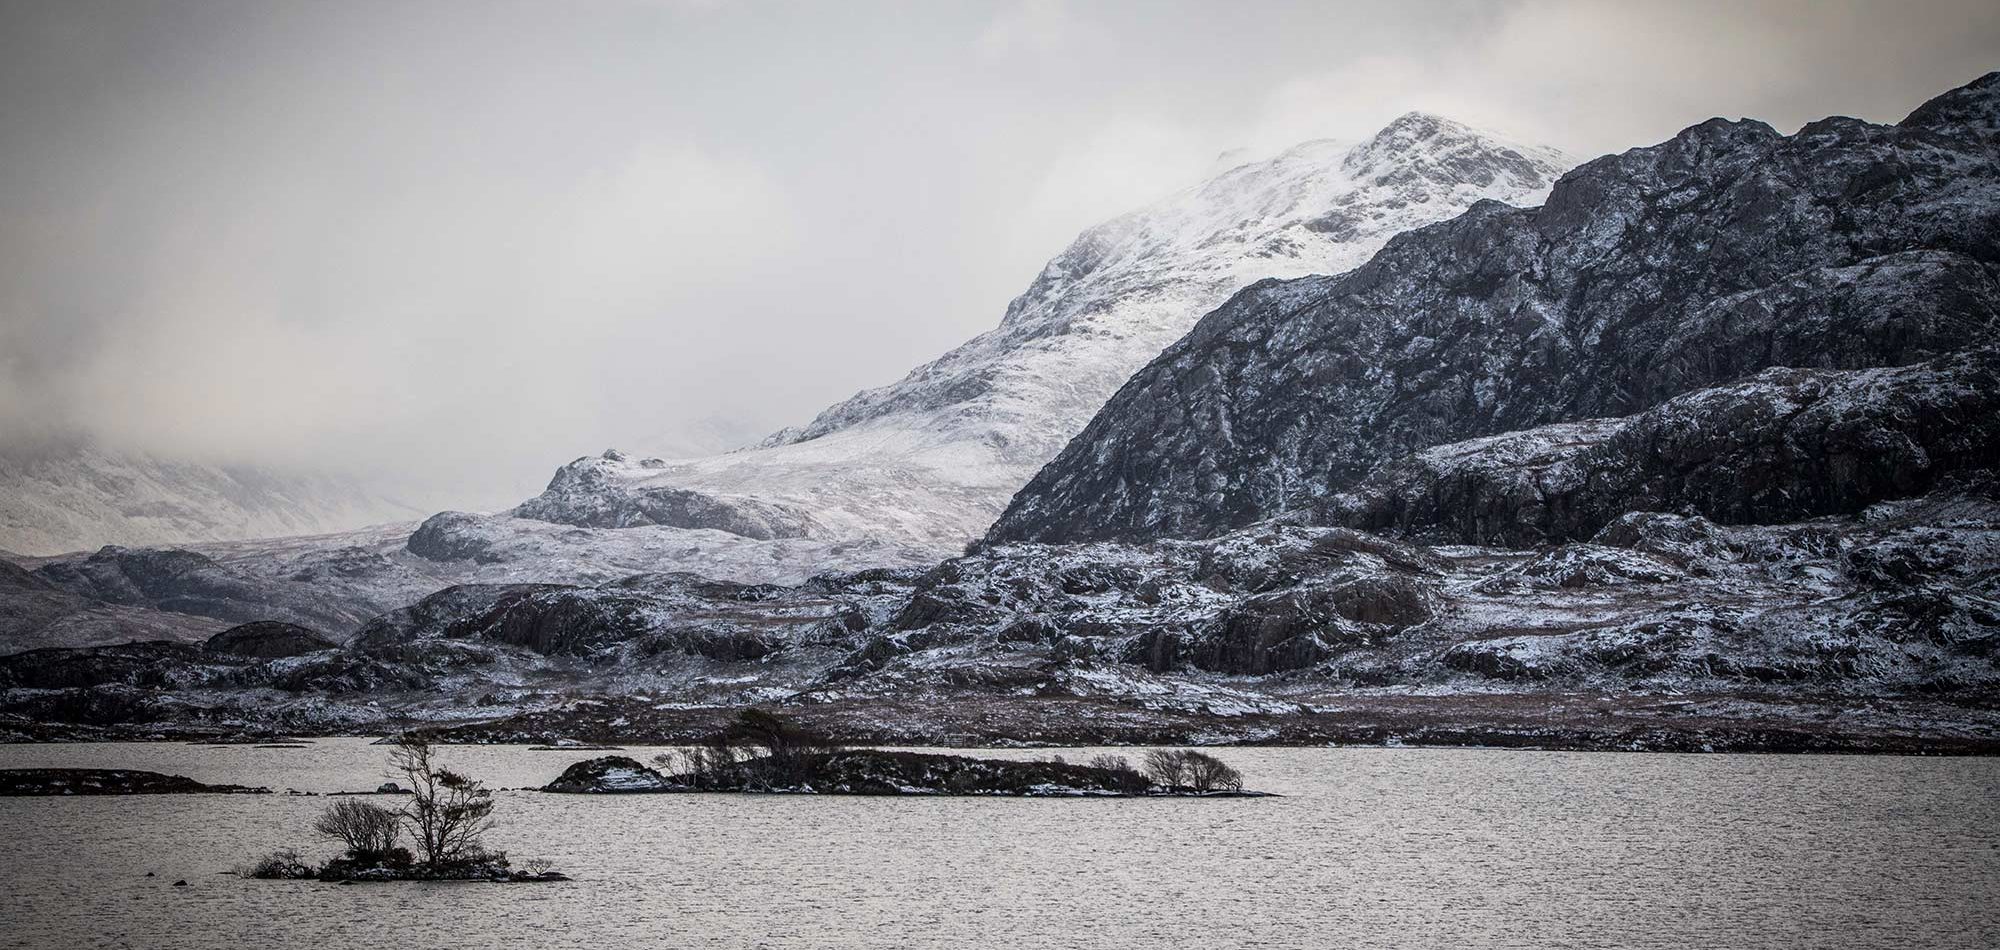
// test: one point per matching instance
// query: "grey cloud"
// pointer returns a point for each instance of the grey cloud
(450, 244)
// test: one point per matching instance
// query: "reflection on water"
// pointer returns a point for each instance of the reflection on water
(1370, 848)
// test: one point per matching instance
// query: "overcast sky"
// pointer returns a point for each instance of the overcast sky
(452, 245)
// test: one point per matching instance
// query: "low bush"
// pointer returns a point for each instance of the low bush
(285, 865)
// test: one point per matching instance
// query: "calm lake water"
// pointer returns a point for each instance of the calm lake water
(1370, 848)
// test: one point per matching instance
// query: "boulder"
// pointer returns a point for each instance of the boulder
(610, 774)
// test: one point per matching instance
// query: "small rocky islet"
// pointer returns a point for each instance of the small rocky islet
(762, 752)
(886, 772)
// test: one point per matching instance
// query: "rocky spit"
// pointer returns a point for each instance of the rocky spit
(110, 782)
(885, 772)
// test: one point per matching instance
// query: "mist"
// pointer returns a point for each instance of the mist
(447, 246)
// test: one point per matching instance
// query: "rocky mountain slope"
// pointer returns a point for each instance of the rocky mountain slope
(37, 613)
(1778, 446)
(68, 494)
(931, 460)
(1728, 249)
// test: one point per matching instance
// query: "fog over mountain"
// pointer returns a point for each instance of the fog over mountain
(443, 247)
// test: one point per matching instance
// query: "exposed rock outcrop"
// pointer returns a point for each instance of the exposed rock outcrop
(598, 492)
(1779, 446)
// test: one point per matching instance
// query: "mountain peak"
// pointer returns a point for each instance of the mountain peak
(1443, 151)
(1416, 129)
(1420, 122)
(1973, 107)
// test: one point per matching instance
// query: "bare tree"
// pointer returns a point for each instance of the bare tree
(792, 753)
(707, 765)
(448, 813)
(1206, 773)
(1186, 768)
(1166, 768)
(368, 831)
(1112, 763)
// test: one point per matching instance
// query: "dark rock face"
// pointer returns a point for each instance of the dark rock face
(153, 663)
(642, 616)
(1267, 633)
(451, 613)
(599, 493)
(268, 640)
(1648, 274)
(566, 622)
(1779, 446)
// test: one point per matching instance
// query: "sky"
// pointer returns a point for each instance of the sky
(447, 246)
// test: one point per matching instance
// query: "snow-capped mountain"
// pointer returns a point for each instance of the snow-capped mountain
(1664, 270)
(68, 494)
(931, 459)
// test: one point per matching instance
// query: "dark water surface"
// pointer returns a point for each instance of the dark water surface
(1370, 848)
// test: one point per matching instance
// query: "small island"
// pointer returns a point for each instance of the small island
(110, 782)
(760, 752)
(448, 815)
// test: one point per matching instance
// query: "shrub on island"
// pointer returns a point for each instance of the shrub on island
(447, 817)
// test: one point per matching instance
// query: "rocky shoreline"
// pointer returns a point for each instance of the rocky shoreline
(1575, 721)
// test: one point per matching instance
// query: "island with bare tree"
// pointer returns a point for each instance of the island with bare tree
(446, 817)
(762, 752)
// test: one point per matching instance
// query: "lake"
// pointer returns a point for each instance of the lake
(1370, 847)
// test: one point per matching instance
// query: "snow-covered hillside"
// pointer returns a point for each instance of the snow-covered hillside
(59, 495)
(932, 459)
